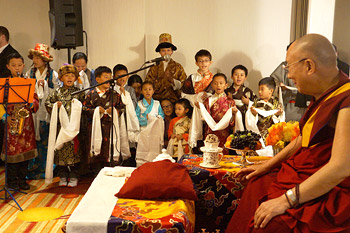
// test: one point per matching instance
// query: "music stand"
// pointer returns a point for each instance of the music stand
(14, 91)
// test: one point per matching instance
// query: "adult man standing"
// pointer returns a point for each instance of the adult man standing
(5, 50)
(305, 187)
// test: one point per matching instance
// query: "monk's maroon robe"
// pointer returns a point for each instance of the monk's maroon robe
(327, 213)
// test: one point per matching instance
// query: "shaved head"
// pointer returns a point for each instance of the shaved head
(314, 64)
(317, 48)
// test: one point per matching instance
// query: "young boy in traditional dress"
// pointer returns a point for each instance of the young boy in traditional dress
(197, 85)
(217, 105)
(148, 107)
(260, 122)
(21, 144)
(68, 157)
(122, 83)
(238, 92)
(179, 129)
(167, 76)
(100, 98)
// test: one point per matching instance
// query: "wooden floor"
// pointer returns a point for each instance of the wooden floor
(40, 195)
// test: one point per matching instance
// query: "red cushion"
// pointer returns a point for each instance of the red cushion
(159, 180)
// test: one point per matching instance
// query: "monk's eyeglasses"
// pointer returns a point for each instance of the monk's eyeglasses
(286, 67)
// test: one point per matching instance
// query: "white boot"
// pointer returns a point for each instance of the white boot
(63, 182)
(73, 182)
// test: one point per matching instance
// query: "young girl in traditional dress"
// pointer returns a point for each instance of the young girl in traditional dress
(66, 158)
(148, 107)
(21, 144)
(179, 129)
(47, 81)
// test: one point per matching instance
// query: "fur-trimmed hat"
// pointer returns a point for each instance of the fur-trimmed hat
(41, 50)
(165, 42)
(68, 69)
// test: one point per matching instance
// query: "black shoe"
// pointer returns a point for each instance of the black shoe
(13, 186)
(24, 186)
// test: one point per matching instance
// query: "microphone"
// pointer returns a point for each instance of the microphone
(159, 59)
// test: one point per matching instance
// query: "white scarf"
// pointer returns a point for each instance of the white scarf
(196, 128)
(133, 125)
(150, 141)
(85, 81)
(225, 120)
(69, 130)
(196, 123)
(124, 141)
(170, 148)
(96, 135)
(251, 120)
(41, 114)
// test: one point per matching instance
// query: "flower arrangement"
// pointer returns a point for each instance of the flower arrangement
(282, 133)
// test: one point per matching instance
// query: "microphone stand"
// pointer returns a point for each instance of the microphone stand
(112, 84)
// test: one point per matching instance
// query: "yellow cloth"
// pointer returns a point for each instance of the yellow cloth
(158, 209)
(226, 162)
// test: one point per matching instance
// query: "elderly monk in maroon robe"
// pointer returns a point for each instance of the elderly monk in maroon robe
(306, 187)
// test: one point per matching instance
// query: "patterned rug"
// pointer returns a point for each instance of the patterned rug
(39, 195)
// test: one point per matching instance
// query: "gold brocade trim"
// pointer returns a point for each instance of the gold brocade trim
(21, 157)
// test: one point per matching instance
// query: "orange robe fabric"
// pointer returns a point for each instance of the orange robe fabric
(328, 213)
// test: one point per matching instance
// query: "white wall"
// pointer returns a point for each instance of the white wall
(321, 17)
(254, 33)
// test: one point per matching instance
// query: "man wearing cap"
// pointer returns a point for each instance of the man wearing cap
(167, 76)
(5, 50)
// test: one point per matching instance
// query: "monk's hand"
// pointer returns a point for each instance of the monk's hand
(245, 100)
(59, 104)
(102, 110)
(254, 112)
(269, 209)
(173, 136)
(251, 171)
